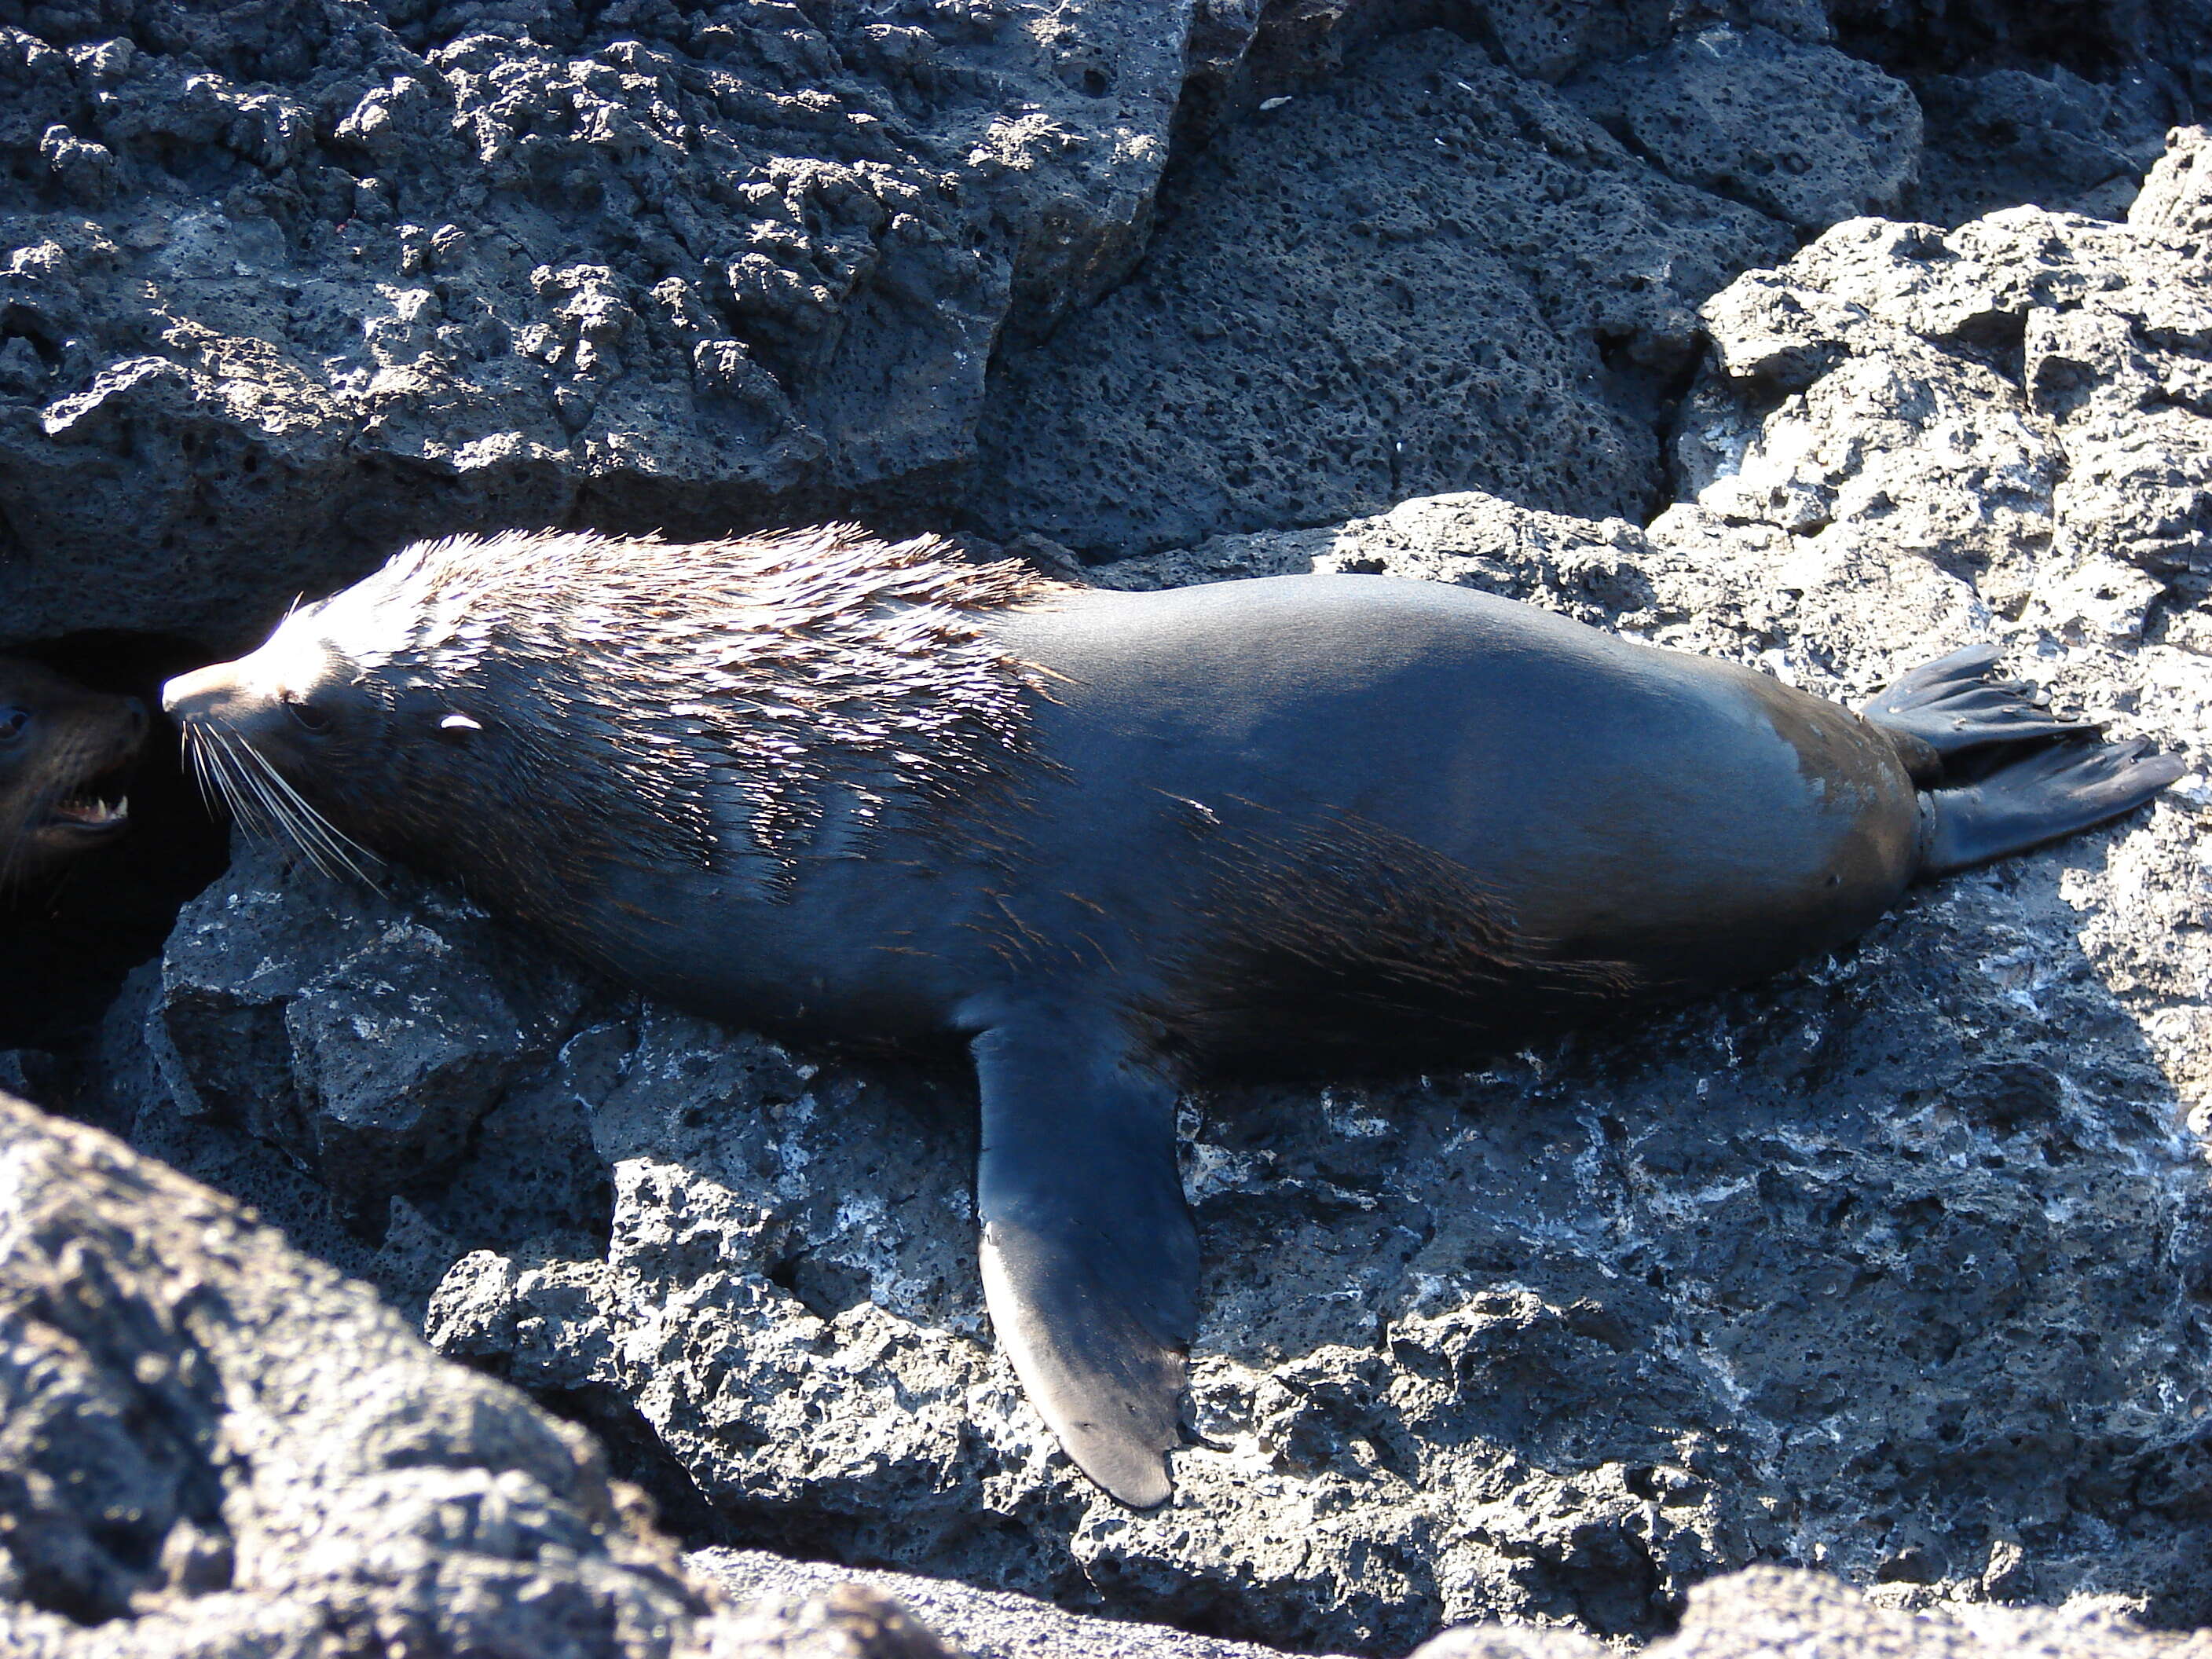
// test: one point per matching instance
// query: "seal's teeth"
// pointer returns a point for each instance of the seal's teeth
(92, 812)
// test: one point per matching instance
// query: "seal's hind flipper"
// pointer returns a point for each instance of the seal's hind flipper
(1952, 706)
(1089, 1256)
(2051, 791)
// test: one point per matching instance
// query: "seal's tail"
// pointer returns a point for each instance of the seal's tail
(2052, 791)
(2001, 773)
(1952, 705)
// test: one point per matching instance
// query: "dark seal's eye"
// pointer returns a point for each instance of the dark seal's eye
(12, 722)
(306, 715)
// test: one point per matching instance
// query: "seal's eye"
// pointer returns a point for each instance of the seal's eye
(12, 722)
(306, 715)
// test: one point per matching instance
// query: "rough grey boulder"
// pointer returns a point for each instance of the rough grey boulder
(211, 1444)
(2058, 104)
(983, 1624)
(366, 1051)
(1896, 1266)
(832, 1620)
(1769, 1610)
(1797, 129)
(2020, 401)
(2175, 203)
(2052, 138)
(283, 285)
(1426, 274)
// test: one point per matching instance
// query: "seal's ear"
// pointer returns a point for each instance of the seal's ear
(1090, 1257)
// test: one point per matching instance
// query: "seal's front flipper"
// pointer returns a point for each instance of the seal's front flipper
(1090, 1257)
(2051, 791)
(1952, 706)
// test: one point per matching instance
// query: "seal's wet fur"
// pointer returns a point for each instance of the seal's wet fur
(822, 782)
(777, 696)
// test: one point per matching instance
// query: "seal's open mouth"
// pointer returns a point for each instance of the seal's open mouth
(95, 806)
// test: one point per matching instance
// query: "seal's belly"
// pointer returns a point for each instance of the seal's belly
(1446, 803)
(854, 946)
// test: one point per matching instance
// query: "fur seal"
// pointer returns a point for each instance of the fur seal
(827, 784)
(66, 754)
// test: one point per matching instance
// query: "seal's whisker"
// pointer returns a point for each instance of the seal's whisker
(349, 855)
(247, 804)
(252, 772)
(194, 746)
(332, 852)
(214, 779)
(244, 800)
(211, 790)
(224, 770)
(269, 819)
(324, 844)
(279, 813)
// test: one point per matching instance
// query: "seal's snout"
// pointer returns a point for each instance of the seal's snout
(204, 696)
(224, 703)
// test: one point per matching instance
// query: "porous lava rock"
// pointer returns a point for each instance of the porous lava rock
(212, 1444)
(981, 1624)
(1896, 1266)
(1427, 273)
(1798, 130)
(2045, 136)
(2061, 104)
(1468, 258)
(1769, 1610)
(283, 284)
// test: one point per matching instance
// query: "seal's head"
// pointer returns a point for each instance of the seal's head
(523, 710)
(305, 705)
(66, 755)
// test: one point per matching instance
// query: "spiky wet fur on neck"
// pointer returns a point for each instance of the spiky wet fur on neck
(703, 703)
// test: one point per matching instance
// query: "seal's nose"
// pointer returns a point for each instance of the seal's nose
(199, 695)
